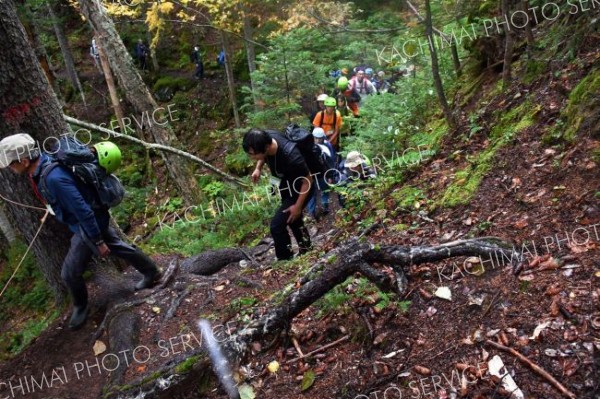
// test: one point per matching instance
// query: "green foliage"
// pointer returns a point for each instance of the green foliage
(285, 75)
(237, 162)
(230, 219)
(408, 196)
(28, 289)
(27, 303)
(580, 112)
(174, 83)
(404, 306)
(336, 300)
(466, 181)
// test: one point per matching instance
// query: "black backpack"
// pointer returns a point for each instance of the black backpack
(310, 151)
(83, 163)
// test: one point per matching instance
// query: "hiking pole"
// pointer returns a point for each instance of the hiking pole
(221, 366)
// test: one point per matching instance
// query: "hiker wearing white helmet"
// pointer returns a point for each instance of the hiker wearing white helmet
(329, 156)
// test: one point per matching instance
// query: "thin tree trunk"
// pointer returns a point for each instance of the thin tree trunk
(112, 89)
(435, 69)
(230, 81)
(453, 48)
(29, 105)
(250, 50)
(66, 51)
(508, 48)
(138, 95)
(39, 50)
(528, 30)
(153, 57)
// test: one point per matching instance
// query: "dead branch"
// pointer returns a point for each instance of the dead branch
(534, 367)
(321, 349)
(154, 146)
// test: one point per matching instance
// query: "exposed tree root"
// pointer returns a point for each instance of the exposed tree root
(345, 261)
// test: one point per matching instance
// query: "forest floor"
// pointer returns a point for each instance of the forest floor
(535, 196)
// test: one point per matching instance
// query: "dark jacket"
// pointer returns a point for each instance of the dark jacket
(71, 201)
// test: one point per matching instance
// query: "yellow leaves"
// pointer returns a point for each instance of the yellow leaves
(166, 7)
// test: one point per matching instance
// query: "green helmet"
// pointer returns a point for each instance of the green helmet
(330, 102)
(342, 83)
(109, 155)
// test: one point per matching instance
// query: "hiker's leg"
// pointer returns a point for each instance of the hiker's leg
(311, 207)
(279, 232)
(134, 256)
(73, 266)
(325, 195)
(301, 235)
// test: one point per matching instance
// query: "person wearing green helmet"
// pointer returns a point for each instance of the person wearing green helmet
(74, 203)
(330, 120)
(109, 156)
(352, 96)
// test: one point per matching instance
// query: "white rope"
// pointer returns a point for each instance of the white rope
(26, 252)
(23, 205)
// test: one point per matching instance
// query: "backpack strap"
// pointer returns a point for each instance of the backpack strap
(334, 118)
(43, 186)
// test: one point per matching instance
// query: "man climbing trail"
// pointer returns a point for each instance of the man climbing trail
(196, 58)
(76, 205)
(295, 186)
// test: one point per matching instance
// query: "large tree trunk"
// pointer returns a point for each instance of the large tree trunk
(230, 80)
(435, 69)
(29, 105)
(112, 89)
(138, 95)
(65, 49)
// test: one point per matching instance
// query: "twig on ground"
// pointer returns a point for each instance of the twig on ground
(345, 337)
(490, 305)
(534, 367)
(297, 346)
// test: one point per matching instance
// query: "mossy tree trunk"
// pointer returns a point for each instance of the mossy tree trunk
(29, 105)
(139, 96)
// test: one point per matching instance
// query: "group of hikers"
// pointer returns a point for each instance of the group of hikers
(84, 208)
(300, 185)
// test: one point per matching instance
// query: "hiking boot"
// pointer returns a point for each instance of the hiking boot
(150, 279)
(78, 318)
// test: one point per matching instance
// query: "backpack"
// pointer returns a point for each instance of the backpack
(82, 162)
(310, 151)
(323, 117)
(353, 96)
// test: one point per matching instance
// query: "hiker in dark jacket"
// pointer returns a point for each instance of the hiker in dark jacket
(197, 60)
(70, 200)
(141, 52)
(295, 186)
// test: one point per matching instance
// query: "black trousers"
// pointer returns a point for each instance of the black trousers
(281, 237)
(80, 254)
